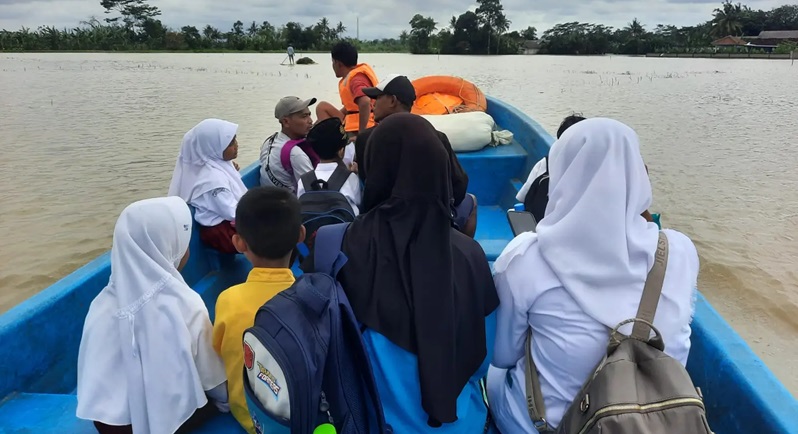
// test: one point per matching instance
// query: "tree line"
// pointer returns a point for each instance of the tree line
(134, 25)
(485, 31)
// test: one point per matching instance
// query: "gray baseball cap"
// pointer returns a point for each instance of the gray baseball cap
(291, 104)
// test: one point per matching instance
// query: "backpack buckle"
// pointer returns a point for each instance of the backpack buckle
(542, 425)
(584, 404)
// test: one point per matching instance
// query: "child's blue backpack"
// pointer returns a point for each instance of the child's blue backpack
(305, 363)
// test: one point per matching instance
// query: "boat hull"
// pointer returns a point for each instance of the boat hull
(41, 335)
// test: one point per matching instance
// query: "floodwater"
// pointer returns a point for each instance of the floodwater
(83, 135)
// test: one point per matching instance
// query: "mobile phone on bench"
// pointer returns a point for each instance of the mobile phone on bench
(521, 221)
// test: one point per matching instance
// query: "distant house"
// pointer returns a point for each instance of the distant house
(775, 37)
(530, 47)
(729, 41)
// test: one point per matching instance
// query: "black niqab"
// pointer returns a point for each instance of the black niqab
(410, 276)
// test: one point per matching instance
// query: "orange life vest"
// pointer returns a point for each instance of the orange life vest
(352, 122)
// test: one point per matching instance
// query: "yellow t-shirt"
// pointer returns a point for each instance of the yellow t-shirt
(235, 312)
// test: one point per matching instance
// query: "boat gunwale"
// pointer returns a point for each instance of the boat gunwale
(746, 395)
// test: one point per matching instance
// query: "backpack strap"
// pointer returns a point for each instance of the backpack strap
(308, 179)
(534, 397)
(285, 154)
(339, 177)
(266, 166)
(327, 256)
(641, 330)
(652, 291)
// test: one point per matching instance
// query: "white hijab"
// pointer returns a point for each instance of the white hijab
(200, 167)
(146, 356)
(593, 237)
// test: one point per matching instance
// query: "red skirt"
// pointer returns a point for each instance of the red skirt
(219, 237)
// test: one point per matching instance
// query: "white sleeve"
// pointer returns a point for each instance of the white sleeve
(511, 325)
(300, 162)
(537, 170)
(219, 202)
(349, 154)
(300, 188)
(353, 192)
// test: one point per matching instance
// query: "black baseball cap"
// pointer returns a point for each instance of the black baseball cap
(396, 85)
(328, 137)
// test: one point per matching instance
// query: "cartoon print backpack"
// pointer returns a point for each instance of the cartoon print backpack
(305, 364)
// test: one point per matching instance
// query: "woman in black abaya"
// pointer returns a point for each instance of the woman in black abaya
(423, 290)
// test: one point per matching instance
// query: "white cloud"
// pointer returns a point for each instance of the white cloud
(386, 18)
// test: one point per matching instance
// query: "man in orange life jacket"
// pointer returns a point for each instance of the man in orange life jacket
(356, 112)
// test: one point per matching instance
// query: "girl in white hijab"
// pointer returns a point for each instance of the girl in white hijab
(146, 357)
(207, 179)
(583, 272)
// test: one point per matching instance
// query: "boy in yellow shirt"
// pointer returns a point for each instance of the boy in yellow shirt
(268, 226)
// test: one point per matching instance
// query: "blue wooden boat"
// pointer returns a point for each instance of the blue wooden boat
(40, 337)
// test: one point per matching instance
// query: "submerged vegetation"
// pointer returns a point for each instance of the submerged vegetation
(133, 25)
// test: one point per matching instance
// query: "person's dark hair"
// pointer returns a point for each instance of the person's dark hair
(345, 53)
(568, 122)
(268, 220)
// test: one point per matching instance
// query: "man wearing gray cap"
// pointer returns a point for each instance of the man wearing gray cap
(282, 159)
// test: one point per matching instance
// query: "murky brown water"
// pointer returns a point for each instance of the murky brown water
(83, 135)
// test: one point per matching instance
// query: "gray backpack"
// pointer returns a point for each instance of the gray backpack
(636, 388)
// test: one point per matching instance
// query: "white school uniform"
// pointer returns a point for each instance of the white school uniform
(202, 178)
(146, 358)
(582, 273)
(538, 169)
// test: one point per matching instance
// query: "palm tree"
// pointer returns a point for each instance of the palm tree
(635, 29)
(210, 32)
(501, 25)
(324, 29)
(453, 23)
(339, 29)
(403, 37)
(727, 21)
(253, 29)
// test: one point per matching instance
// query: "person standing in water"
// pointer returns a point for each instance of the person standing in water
(290, 52)
(356, 113)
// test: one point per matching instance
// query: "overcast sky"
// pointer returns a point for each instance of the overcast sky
(381, 18)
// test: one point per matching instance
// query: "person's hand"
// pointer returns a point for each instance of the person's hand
(353, 167)
(236, 165)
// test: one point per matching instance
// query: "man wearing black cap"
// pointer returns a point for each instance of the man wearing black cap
(293, 113)
(396, 94)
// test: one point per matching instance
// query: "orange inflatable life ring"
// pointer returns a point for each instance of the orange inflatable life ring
(444, 94)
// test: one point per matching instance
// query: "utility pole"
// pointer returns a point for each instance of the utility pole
(358, 28)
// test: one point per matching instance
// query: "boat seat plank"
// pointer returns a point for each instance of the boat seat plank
(486, 169)
(42, 413)
(29, 413)
(493, 230)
